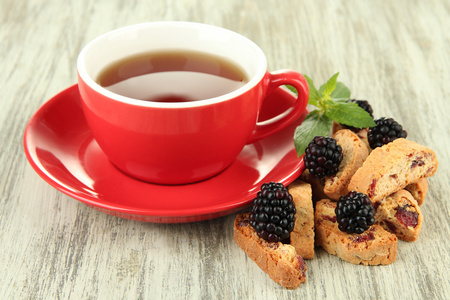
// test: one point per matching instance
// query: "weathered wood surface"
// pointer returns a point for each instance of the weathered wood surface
(393, 53)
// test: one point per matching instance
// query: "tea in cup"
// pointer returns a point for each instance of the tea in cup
(176, 102)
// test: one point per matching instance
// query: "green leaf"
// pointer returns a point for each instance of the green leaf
(328, 103)
(340, 93)
(331, 101)
(321, 90)
(350, 114)
(313, 94)
(314, 124)
(292, 89)
(330, 86)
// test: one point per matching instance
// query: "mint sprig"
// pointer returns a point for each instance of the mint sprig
(331, 102)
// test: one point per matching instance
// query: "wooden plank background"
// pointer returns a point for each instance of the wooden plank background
(393, 53)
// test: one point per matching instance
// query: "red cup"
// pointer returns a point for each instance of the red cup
(184, 142)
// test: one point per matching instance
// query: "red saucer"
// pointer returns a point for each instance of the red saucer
(61, 149)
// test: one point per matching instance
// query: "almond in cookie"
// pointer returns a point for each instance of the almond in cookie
(374, 246)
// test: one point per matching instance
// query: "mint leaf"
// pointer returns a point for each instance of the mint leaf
(315, 123)
(331, 102)
(340, 93)
(314, 96)
(330, 86)
(292, 89)
(349, 113)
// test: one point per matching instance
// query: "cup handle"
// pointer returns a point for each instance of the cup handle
(273, 81)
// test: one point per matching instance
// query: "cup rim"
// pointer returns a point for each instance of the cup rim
(89, 81)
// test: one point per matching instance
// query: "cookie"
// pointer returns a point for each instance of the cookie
(354, 153)
(392, 167)
(316, 185)
(361, 133)
(302, 237)
(374, 246)
(279, 261)
(400, 214)
(418, 190)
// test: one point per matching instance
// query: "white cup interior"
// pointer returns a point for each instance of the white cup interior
(160, 36)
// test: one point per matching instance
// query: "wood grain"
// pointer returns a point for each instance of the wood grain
(393, 53)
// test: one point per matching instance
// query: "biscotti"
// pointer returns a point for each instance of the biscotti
(375, 246)
(392, 167)
(361, 133)
(354, 153)
(418, 190)
(279, 261)
(302, 236)
(316, 185)
(400, 214)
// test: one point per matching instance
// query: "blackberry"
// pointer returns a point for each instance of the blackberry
(323, 156)
(354, 213)
(364, 104)
(386, 130)
(273, 213)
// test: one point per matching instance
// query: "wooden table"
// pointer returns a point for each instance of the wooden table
(393, 53)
